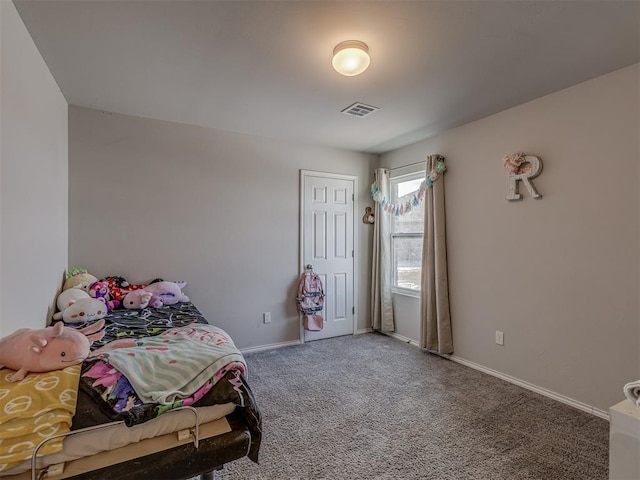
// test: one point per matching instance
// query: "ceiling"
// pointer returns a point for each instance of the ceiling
(264, 67)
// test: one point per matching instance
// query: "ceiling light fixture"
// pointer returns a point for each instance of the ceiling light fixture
(350, 58)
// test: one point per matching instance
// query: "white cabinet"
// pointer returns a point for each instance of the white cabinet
(624, 441)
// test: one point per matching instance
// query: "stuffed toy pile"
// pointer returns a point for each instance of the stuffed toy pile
(85, 298)
(76, 304)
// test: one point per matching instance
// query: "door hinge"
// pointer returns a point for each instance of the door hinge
(353, 197)
(351, 253)
(353, 310)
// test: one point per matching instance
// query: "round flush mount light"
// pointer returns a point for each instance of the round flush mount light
(350, 58)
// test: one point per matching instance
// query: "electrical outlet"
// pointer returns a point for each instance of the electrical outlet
(499, 338)
(266, 317)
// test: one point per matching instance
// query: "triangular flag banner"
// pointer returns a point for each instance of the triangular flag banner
(418, 196)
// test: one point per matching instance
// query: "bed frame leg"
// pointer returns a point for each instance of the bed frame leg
(216, 474)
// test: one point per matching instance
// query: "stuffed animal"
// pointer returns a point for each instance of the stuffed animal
(162, 293)
(119, 287)
(101, 290)
(52, 348)
(119, 282)
(83, 310)
(78, 276)
(69, 297)
(168, 292)
(138, 299)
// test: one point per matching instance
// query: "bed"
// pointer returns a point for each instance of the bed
(118, 433)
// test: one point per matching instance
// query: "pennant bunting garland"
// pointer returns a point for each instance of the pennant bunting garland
(416, 199)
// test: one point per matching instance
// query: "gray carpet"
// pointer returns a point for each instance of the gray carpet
(372, 407)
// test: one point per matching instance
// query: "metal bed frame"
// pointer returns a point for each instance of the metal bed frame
(202, 456)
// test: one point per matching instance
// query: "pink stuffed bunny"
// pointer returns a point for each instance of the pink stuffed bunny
(47, 349)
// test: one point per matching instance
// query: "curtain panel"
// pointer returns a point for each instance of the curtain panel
(381, 300)
(434, 295)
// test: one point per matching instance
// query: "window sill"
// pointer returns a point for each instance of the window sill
(405, 292)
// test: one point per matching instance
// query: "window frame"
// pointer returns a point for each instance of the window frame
(402, 176)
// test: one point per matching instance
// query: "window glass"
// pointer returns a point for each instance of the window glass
(407, 252)
(411, 222)
(407, 233)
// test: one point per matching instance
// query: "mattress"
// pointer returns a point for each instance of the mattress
(115, 435)
(125, 421)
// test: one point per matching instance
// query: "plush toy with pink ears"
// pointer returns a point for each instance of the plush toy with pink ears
(155, 295)
(101, 290)
(47, 349)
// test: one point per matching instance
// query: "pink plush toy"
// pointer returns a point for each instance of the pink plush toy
(101, 290)
(47, 349)
(137, 299)
(156, 295)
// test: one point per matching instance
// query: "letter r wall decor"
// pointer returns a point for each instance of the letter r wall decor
(521, 167)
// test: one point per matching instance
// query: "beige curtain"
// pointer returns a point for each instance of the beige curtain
(381, 306)
(434, 296)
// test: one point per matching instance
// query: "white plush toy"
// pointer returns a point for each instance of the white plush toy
(83, 310)
(71, 296)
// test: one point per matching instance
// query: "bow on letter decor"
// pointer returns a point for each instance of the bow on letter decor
(522, 167)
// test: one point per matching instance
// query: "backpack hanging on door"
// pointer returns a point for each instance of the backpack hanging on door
(310, 300)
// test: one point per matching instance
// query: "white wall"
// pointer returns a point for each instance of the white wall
(219, 210)
(33, 180)
(558, 275)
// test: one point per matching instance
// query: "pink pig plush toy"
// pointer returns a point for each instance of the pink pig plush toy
(47, 349)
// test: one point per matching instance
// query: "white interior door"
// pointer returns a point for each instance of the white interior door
(328, 245)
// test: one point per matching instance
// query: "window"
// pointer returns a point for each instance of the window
(407, 232)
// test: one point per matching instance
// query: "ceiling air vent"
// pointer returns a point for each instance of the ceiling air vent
(360, 110)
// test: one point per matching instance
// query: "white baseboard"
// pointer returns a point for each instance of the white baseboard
(402, 338)
(534, 388)
(516, 381)
(270, 346)
(363, 330)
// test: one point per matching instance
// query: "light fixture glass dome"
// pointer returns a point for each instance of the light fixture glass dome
(351, 58)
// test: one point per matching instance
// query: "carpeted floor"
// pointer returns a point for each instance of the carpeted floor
(372, 407)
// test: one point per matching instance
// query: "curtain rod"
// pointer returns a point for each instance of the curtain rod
(424, 162)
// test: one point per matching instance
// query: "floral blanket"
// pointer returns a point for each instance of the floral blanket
(175, 364)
